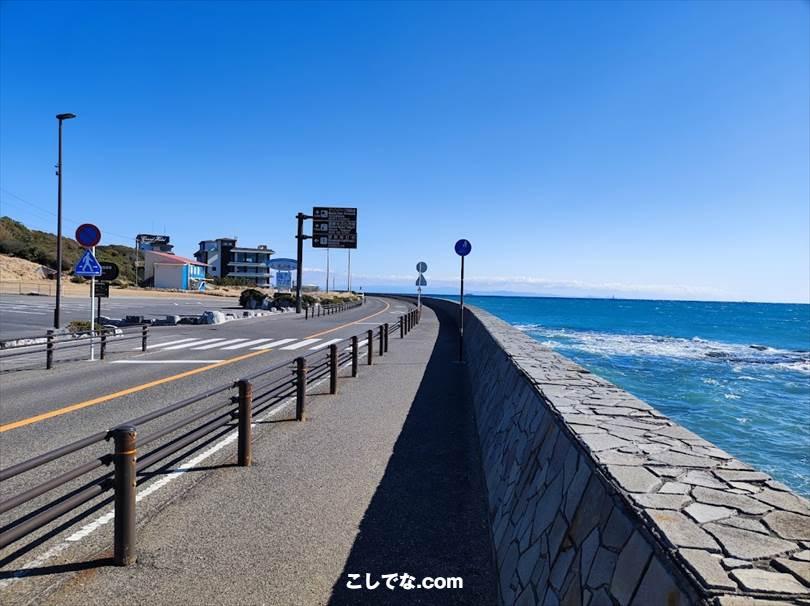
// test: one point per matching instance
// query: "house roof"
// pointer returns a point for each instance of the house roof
(169, 258)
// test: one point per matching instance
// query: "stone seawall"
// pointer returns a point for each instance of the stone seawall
(597, 498)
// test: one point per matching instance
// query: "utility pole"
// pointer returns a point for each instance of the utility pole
(327, 269)
(299, 269)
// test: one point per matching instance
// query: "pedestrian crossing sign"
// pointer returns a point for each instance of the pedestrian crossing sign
(87, 266)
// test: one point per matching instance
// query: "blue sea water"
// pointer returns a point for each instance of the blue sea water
(738, 374)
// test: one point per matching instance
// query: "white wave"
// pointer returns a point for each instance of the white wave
(741, 357)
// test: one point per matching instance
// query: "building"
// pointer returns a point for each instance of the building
(144, 242)
(224, 259)
(166, 270)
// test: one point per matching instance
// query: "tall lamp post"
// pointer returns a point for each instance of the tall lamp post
(61, 118)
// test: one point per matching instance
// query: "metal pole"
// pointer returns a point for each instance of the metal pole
(382, 340)
(402, 327)
(461, 317)
(299, 270)
(327, 269)
(103, 343)
(124, 458)
(244, 447)
(385, 340)
(92, 314)
(300, 387)
(144, 335)
(56, 319)
(349, 273)
(355, 352)
(49, 351)
(333, 368)
(370, 345)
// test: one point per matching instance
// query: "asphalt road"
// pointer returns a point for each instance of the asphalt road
(23, 315)
(41, 410)
(383, 477)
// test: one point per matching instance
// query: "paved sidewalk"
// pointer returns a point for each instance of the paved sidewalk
(382, 478)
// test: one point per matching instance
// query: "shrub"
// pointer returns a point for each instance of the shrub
(78, 326)
(308, 300)
(251, 294)
(77, 279)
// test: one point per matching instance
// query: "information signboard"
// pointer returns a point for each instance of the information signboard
(334, 227)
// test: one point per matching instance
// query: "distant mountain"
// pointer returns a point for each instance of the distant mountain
(40, 247)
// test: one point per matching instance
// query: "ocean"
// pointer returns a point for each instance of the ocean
(738, 374)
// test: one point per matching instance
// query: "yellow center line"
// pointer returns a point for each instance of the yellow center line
(125, 392)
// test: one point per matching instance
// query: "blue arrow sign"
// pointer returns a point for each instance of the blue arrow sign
(87, 265)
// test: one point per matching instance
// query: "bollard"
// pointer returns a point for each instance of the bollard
(355, 352)
(244, 453)
(49, 351)
(333, 368)
(300, 387)
(306, 313)
(124, 525)
(382, 340)
(385, 340)
(103, 343)
(402, 327)
(370, 346)
(144, 335)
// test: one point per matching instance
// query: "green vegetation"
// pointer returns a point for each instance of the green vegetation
(78, 326)
(230, 282)
(251, 294)
(40, 247)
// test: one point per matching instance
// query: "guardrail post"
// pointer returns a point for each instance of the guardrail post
(370, 337)
(306, 313)
(49, 351)
(386, 337)
(300, 387)
(333, 368)
(144, 335)
(103, 343)
(124, 458)
(244, 453)
(382, 340)
(402, 327)
(355, 352)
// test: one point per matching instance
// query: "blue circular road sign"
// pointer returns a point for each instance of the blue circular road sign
(421, 267)
(88, 235)
(463, 248)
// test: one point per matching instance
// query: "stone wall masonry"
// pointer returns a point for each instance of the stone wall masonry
(595, 497)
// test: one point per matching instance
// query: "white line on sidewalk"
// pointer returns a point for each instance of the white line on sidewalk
(325, 344)
(228, 342)
(248, 344)
(165, 361)
(274, 344)
(170, 343)
(301, 344)
(194, 343)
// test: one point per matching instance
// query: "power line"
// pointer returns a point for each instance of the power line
(126, 239)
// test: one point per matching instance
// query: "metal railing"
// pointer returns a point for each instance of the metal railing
(256, 394)
(51, 342)
(318, 310)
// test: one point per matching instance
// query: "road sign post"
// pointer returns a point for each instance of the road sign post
(421, 267)
(463, 248)
(88, 235)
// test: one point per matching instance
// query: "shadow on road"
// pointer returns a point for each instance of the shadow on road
(428, 516)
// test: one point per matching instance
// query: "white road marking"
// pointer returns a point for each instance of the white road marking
(170, 343)
(106, 518)
(248, 344)
(301, 344)
(360, 344)
(325, 344)
(274, 344)
(193, 343)
(228, 342)
(165, 361)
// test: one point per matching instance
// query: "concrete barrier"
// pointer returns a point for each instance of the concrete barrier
(597, 498)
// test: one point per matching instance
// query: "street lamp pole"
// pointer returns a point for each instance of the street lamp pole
(56, 319)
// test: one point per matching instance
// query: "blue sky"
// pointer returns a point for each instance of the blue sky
(655, 150)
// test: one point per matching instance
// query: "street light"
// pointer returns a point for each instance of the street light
(61, 118)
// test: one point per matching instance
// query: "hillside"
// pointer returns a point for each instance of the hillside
(40, 247)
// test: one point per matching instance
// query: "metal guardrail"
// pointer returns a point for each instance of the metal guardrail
(53, 341)
(316, 311)
(255, 394)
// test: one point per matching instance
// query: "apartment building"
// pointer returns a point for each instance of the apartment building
(224, 259)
